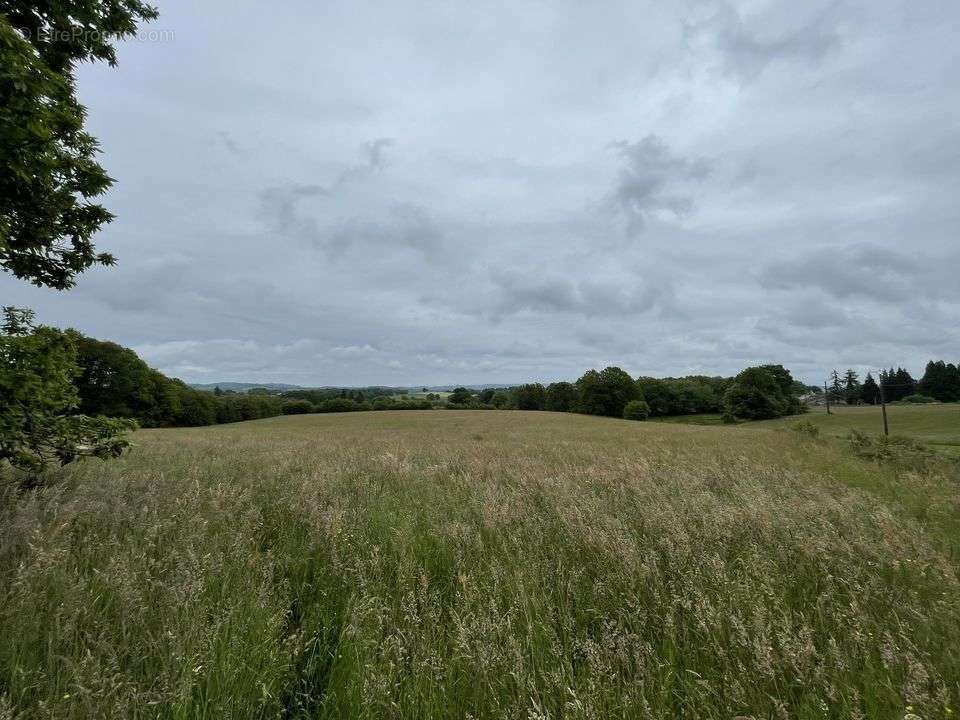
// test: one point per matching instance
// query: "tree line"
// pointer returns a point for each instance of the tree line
(940, 383)
(79, 395)
(757, 393)
(113, 381)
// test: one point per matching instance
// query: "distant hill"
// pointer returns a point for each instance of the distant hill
(243, 387)
(474, 386)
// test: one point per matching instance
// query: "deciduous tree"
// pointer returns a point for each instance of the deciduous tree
(760, 393)
(49, 174)
(606, 392)
(38, 425)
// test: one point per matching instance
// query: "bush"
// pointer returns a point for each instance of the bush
(636, 410)
(383, 403)
(902, 452)
(413, 405)
(918, 399)
(338, 405)
(297, 407)
(807, 428)
(761, 393)
(388, 403)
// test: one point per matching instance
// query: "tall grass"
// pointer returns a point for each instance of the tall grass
(485, 565)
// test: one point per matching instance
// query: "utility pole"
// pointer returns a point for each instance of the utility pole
(883, 407)
(826, 394)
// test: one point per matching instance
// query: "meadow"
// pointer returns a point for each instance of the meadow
(936, 425)
(448, 564)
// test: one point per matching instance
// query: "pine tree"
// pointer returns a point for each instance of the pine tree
(903, 385)
(941, 381)
(870, 391)
(851, 387)
(836, 386)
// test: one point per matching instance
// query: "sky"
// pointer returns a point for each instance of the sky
(353, 193)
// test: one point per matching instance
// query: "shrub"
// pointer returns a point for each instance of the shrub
(918, 399)
(412, 405)
(297, 407)
(636, 410)
(807, 428)
(761, 393)
(902, 452)
(338, 405)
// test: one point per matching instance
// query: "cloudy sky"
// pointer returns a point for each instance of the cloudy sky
(442, 192)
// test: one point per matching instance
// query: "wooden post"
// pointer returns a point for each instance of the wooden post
(883, 407)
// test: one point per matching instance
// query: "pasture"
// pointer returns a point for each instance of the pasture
(448, 564)
(935, 425)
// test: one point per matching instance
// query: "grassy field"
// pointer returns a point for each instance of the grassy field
(694, 419)
(481, 565)
(934, 425)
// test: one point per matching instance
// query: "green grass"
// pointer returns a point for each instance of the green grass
(481, 565)
(694, 419)
(935, 425)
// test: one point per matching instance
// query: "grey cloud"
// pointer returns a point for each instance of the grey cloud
(516, 293)
(151, 285)
(746, 53)
(280, 205)
(403, 226)
(280, 209)
(814, 313)
(845, 272)
(376, 160)
(232, 146)
(652, 179)
(477, 253)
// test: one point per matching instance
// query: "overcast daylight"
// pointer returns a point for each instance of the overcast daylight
(350, 193)
(479, 360)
